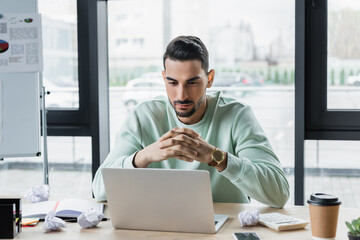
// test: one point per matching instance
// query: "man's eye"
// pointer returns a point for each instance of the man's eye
(193, 82)
(172, 83)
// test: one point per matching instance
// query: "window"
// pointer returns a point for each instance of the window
(251, 49)
(69, 71)
(69, 170)
(333, 167)
(343, 55)
(325, 108)
(74, 159)
(330, 111)
(60, 75)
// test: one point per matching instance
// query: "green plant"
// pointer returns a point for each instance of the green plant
(285, 79)
(268, 75)
(332, 77)
(292, 76)
(342, 77)
(277, 77)
(354, 227)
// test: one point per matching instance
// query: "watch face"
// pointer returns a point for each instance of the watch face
(217, 156)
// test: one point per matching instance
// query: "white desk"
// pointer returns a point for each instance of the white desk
(105, 231)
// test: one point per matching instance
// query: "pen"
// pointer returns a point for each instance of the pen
(71, 220)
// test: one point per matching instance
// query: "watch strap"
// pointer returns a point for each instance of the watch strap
(213, 163)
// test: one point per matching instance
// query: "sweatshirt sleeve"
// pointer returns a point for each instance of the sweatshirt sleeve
(127, 144)
(254, 168)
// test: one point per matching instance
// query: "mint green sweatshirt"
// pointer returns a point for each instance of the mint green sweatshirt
(252, 170)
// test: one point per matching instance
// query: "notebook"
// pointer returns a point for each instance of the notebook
(67, 208)
(161, 199)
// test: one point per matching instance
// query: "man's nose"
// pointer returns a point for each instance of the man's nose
(182, 93)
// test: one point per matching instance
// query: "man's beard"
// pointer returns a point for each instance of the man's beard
(191, 111)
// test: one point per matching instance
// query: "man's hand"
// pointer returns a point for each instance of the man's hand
(180, 143)
(203, 150)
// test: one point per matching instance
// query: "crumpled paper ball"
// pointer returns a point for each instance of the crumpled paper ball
(90, 218)
(53, 223)
(37, 193)
(248, 218)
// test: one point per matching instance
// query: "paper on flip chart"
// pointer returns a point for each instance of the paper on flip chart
(21, 43)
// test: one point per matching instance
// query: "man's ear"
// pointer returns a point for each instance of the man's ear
(210, 76)
(164, 74)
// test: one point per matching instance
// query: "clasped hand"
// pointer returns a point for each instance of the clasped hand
(180, 143)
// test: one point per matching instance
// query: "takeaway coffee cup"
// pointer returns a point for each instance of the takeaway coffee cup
(324, 211)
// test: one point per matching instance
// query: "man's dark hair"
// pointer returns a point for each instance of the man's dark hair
(187, 48)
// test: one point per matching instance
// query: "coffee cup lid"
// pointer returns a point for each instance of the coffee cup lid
(323, 199)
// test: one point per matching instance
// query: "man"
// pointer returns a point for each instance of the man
(190, 130)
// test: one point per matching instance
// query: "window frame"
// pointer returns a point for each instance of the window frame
(320, 122)
(93, 110)
(313, 119)
(75, 122)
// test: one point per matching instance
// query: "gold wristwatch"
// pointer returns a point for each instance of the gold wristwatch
(217, 157)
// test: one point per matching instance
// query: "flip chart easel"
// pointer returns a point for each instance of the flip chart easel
(22, 97)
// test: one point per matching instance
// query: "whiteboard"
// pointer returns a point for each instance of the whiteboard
(20, 113)
(20, 101)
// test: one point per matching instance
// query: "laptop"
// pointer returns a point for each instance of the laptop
(161, 200)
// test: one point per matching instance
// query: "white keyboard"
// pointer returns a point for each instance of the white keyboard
(281, 222)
